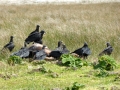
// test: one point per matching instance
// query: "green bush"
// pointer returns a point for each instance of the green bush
(75, 86)
(106, 62)
(72, 61)
(12, 60)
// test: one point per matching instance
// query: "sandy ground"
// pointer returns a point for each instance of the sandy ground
(53, 1)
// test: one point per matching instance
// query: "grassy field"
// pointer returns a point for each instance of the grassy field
(73, 24)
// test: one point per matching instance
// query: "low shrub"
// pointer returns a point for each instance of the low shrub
(72, 61)
(106, 62)
(12, 60)
(75, 86)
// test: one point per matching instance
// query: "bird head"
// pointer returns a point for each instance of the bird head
(60, 43)
(38, 26)
(42, 32)
(44, 47)
(11, 37)
(64, 46)
(85, 44)
(108, 44)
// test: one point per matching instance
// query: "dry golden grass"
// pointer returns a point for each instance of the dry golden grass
(74, 24)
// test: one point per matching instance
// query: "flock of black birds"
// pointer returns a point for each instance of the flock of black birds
(38, 51)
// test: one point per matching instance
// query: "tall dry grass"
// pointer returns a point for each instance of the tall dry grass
(73, 24)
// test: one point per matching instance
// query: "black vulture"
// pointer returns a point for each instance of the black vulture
(60, 46)
(40, 54)
(108, 50)
(36, 30)
(37, 36)
(65, 50)
(57, 52)
(60, 43)
(83, 52)
(42, 32)
(61, 49)
(10, 46)
(29, 52)
(36, 47)
(23, 52)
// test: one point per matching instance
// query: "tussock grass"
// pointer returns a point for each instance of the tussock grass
(73, 24)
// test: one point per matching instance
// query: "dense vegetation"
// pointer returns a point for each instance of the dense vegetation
(73, 24)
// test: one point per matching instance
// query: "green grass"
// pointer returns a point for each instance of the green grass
(21, 79)
(73, 24)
